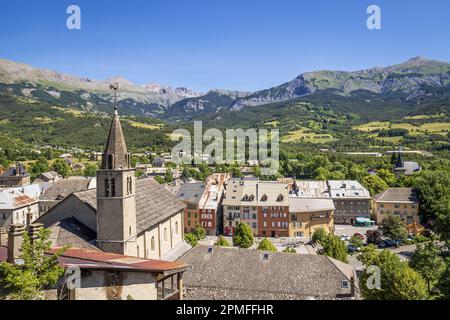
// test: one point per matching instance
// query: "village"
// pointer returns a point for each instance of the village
(132, 237)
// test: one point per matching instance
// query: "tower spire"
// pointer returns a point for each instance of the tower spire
(116, 156)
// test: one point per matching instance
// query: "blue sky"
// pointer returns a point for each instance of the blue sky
(229, 44)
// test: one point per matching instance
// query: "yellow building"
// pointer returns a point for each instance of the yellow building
(308, 215)
(402, 202)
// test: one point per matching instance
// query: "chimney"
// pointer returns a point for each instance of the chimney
(34, 230)
(15, 239)
(352, 286)
(3, 237)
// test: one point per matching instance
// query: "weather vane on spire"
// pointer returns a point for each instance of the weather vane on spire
(115, 87)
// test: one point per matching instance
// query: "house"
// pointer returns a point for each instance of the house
(96, 156)
(50, 177)
(16, 176)
(204, 203)
(58, 191)
(310, 208)
(102, 275)
(402, 202)
(264, 206)
(308, 215)
(240, 274)
(191, 194)
(19, 205)
(351, 201)
(138, 218)
(158, 162)
(405, 168)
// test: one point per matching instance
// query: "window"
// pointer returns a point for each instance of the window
(345, 284)
(176, 227)
(152, 243)
(165, 234)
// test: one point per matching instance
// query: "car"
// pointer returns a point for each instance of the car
(381, 245)
(345, 237)
(352, 249)
(389, 243)
(359, 235)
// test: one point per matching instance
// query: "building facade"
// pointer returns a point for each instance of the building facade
(351, 201)
(402, 202)
(15, 176)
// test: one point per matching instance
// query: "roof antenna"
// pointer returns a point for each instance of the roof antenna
(115, 87)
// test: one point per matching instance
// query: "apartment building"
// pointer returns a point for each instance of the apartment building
(264, 206)
(191, 194)
(311, 208)
(204, 203)
(351, 201)
(402, 202)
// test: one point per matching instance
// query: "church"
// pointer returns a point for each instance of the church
(123, 215)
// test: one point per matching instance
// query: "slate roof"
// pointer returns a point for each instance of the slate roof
(65, 187)
(72, 233)
(18, 170)
(154, 203)
(310, 189)
(409, 168)
(116, 146)
(397, 195)
(229, 273)
(191, 192)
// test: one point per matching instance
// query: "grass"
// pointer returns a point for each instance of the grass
(46, 120)
(74, 112)
(306, 135)
(141, 125)
(273, 124)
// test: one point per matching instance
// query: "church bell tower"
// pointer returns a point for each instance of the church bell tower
(116, 193)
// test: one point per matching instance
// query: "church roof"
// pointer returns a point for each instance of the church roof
(116, 146)
(154, 203)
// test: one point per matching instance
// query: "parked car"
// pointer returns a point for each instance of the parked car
(359, 235)
(352, 249)
(381, 245)
(345, 237)
(389, 243)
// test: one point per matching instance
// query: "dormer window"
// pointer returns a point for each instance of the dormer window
(280, 198)
(264, 198)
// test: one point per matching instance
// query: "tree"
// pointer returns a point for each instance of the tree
(38, 271)
(356, 241)
(397, 280)
(39, 167)
(90, 171)
(335, 248)
(427, 261)
(199, 232)
(289, 250)
(319, 235)
(243, 236)
(222, 242)
(191, 239)
(394, 228)
(267, 245)
(374, 184)
(168, 176)
(62, 168)
(373, 236)
(387, 176)
(434, 194)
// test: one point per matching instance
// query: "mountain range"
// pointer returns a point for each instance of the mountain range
(417, 85)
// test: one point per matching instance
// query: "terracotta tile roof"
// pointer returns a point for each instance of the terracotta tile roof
(89, 259)
(99, 260)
